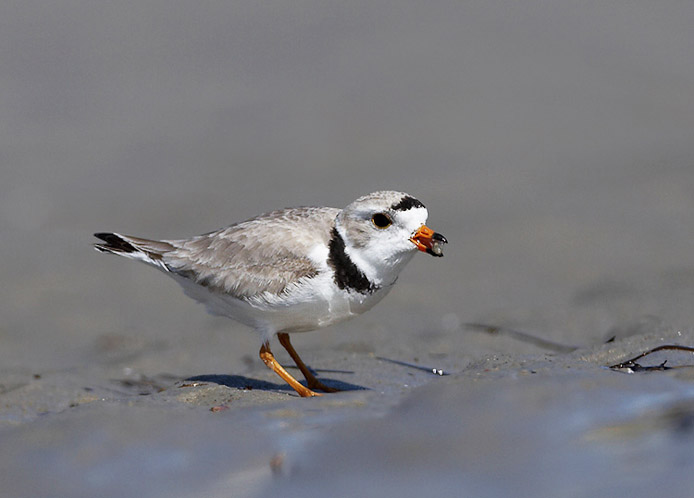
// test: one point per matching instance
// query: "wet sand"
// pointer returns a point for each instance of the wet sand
(493, 425)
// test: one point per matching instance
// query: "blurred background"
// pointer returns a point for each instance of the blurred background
(551, 141)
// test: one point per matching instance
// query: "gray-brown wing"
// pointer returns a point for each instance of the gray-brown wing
(264, 254)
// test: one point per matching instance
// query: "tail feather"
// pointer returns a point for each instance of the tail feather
(114, 243)
(149, 251)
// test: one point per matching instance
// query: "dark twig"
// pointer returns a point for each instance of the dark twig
(632, 366)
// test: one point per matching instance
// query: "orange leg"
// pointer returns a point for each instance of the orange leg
(311, 380)
(267, 357)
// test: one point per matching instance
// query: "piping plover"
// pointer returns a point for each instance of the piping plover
(295, 269)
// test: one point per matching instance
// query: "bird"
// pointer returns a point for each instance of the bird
(294, 269)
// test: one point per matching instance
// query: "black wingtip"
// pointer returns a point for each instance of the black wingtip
(113, 241)
(103, 235)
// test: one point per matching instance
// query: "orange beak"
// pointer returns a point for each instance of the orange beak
(429, 241)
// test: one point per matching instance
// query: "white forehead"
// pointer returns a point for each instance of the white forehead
(412, 218)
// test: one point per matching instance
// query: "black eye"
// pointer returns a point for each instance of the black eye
(381, 220)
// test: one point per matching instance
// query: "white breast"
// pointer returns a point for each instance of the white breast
(310, 304)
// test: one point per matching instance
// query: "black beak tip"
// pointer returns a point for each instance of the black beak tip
(439, 255)
(439, 238)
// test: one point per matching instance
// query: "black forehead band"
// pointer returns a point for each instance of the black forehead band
(407, 202)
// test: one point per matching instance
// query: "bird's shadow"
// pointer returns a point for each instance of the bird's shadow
(242, 382)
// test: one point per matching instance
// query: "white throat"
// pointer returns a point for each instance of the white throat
(379, 263)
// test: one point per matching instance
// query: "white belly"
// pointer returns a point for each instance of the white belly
(315, 304)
